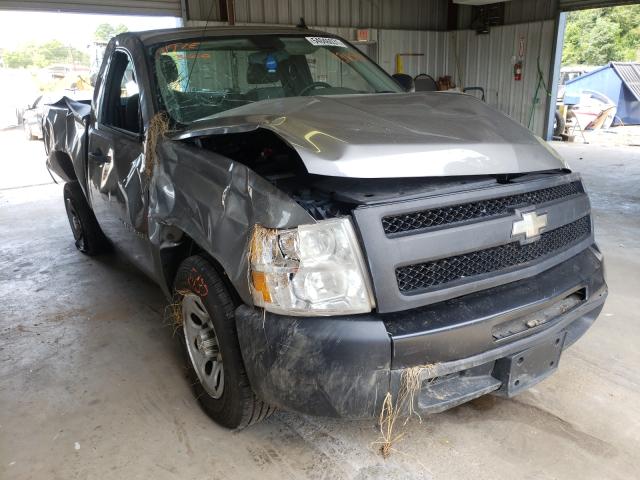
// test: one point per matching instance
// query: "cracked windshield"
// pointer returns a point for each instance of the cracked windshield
(199, 79)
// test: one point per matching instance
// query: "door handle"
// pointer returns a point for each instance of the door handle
(99, 157)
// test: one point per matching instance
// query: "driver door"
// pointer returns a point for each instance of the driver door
(117, 182)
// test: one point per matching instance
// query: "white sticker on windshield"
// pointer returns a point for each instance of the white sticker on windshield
(326, 42)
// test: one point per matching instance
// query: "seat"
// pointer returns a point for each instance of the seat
(168, 68)
(257, 74)
(167, 71)
(132, 114)
(425, 83)
(480, 90)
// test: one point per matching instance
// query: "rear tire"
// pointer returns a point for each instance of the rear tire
(210, 342)
(87, 234)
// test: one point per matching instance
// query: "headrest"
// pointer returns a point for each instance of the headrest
(258, 74)
(169, 68)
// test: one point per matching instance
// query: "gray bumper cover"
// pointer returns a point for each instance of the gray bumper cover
(344, 366)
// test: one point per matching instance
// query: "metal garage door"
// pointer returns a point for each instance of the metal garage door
(122, 7)
(584, 4)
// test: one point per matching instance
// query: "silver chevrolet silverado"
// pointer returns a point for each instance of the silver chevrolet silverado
(318, 230)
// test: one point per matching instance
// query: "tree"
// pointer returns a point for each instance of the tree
(105, 31)
(18, 59)
(598, 36)
(43, 55)
(629, 20)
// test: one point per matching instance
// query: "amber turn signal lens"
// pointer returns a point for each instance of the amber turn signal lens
(259, 280)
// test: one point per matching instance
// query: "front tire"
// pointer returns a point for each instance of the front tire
(210, 342)
(87, 234)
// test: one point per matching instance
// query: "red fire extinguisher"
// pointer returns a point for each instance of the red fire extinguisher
(517, 71)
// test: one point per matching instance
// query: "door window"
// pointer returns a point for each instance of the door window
(121, 105)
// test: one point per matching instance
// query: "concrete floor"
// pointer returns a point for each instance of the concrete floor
(92, 383)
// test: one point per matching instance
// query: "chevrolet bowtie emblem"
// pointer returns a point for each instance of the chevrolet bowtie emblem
(530, 225)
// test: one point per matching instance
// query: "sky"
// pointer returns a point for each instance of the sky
(19, 28)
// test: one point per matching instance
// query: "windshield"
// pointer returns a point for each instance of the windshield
(197, 79)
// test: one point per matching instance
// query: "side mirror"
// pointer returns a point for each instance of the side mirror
(405, 81)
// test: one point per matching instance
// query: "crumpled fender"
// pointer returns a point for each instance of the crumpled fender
(217, 202)
(65, 133)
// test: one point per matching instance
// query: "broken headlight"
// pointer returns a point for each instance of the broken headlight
(315, 269)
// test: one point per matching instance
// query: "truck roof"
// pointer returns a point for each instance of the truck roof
(150, 37)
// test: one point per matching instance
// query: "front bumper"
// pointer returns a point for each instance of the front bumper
(466, 347)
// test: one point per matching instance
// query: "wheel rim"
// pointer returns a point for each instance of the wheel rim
(202, 345)
(76, 224)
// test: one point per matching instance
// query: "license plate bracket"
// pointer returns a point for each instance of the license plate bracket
(522, 370)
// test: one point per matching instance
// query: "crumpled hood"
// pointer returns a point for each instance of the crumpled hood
(391, 135)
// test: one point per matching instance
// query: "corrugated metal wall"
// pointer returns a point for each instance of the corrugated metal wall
(515, 11)
(487, 61)
(201, 10)
(521, 11)
(399, 14)
(433, 46)
(482, 60)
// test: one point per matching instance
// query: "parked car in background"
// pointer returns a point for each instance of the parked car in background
(32, 118)
(34, 113)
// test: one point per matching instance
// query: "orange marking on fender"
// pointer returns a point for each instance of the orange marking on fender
(198, 285)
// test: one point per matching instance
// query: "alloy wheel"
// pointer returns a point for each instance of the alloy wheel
(202, 345)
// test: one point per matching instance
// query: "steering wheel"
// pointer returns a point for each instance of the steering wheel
(313, 86)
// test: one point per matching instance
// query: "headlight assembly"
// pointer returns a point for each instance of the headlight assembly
(315, 269)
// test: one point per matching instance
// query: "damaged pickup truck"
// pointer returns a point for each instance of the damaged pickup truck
(321, 231)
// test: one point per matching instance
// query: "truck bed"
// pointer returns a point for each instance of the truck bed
(65, 127)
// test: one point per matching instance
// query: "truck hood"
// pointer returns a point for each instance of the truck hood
(391, 135)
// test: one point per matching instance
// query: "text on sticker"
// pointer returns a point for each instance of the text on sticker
(326, 42)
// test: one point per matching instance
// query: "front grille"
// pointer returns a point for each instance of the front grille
(423, 276)
(464, 212)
